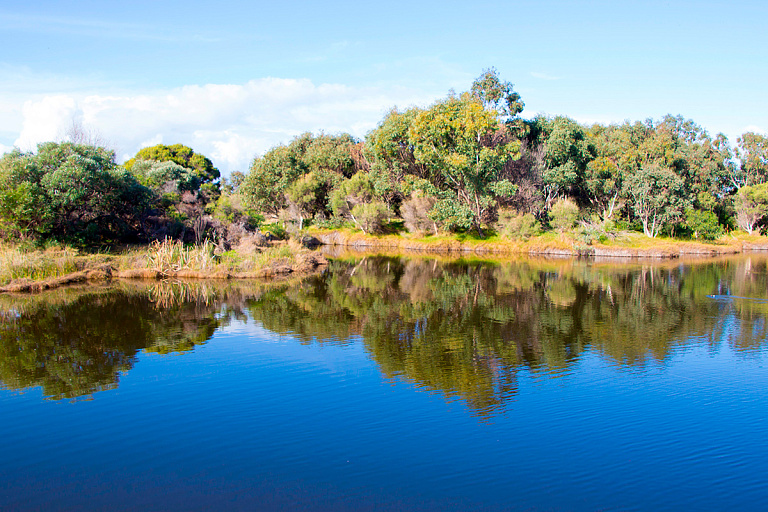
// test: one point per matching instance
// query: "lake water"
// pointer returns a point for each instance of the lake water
(394, 383)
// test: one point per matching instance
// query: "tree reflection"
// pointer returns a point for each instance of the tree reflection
(79, 345)
(461, 328)
(466, 328)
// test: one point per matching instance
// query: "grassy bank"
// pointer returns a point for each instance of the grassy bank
(28, 269)
(625, 244)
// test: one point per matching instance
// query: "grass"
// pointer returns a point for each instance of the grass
(166, 257)
(18, 263)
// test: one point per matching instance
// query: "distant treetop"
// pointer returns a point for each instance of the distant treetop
(182, 155)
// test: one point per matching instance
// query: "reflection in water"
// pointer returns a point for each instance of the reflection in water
(461, 328)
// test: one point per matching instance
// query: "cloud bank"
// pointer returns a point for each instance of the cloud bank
(228, 123)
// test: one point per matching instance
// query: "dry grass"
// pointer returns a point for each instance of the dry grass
(19, 263)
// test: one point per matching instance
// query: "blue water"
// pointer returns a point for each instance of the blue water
(254, 420)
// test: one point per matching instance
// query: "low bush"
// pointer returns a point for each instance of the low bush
(517, 226)
(563, 215)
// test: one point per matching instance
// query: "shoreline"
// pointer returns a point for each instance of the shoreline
(308, 265)
(310, 262)
(652, 249)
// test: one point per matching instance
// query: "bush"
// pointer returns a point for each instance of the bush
(277, 230)
(415, 213)
(370, 217)
(517, 226)
(703, 224)
(563, 214)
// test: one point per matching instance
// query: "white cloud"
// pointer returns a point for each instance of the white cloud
(46, 120)
(230, 123)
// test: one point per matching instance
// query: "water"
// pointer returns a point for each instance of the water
(391, 384)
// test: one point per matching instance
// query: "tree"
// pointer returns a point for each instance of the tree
(70, 192)
(496, 95)
(182, 155)
(658, 196)
(464, 150)
(391, 155)
(270, 176)
(308, 195)
(602, 184)
(753, 156)
(751, 203)
(566, 155)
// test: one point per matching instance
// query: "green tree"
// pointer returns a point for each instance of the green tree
(70, 192)
(182, 155)
(658, 197)
(753, 158)
(270, 175)
(567, 152)
(390, 154)
(464, 149)
(497, 95)
(751, 203)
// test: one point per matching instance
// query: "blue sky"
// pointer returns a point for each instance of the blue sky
(233, 80)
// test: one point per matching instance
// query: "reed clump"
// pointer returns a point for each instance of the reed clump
(169, 256)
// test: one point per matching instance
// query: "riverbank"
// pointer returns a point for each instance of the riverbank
(33, 271)
(626, 245)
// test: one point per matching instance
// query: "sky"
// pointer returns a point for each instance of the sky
(233, 79)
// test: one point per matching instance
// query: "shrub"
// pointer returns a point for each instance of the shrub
(415, 212)
(703, 224)
(563, 214)
(517, 226)
(277, 230)
(370, 217)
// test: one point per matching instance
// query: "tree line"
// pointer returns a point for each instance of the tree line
(468, 163)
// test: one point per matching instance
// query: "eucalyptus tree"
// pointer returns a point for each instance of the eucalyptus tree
(464, 149)
(657, 196)
(752, 152)
(200, 165)
(70, 192)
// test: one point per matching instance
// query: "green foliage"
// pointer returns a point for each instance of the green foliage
(69, 192)
(517, 226)
(308, 195)
(370, 217)
(165, 176)
(563, 214)
(230, 209)
(497, 95)
(457, 141)
(391, 157)
(358, 189)
(751, 204)
(566, 155)
(658, 197)
(200, 165)
(753, 160)
(276, 229)
(703, 224)
(328, 157)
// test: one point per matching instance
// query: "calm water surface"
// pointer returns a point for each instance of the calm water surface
(394, 384)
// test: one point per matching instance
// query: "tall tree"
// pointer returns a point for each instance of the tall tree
(464, 149)
(657, 195)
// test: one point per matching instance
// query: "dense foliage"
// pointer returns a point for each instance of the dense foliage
(454, 165)
(450, 167)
